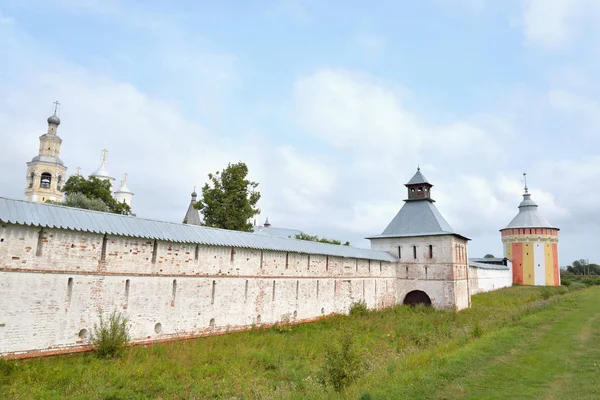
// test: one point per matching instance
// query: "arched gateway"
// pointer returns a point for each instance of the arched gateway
(417, 297)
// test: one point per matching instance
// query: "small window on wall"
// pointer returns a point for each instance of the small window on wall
(430, 251)
(415, 252)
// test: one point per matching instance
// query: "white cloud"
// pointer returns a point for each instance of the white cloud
(555, 23)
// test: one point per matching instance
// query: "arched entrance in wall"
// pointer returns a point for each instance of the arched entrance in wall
(417, 297)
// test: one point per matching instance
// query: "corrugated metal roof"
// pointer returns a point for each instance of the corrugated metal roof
(475, 264)
(53, 216)
(417, 218)
(528, 216)
(277, 232)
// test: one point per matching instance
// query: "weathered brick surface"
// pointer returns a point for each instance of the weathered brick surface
(50, 296)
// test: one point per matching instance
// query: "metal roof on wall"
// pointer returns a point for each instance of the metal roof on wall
(54, 216)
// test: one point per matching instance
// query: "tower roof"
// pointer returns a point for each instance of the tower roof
(418, 179)
(417, 218)
(124, 188)
(53, 119)
(192, 217)
(102, 172)
(528, 216)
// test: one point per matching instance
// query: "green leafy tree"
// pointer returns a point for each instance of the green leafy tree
(304, 236)
(489, 256)
(582, 267)
(229, 201)
(78, 200)
(93, 189)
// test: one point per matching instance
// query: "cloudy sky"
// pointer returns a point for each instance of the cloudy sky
(331, 104)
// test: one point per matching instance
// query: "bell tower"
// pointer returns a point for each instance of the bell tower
(46, 172)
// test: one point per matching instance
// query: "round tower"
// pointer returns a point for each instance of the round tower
(531, 243)
(124, 195)
(46, 172)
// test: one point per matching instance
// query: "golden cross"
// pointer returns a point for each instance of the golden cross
(104, 151)
(125, 177)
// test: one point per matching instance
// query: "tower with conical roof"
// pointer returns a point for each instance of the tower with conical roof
(192, 217)
(432, 257)
(46, 172)
(531, 243)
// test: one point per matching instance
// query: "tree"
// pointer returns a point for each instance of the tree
(489, 256)
(229, 202)
(78, 200)
(93, 189)
(583, 267)
(304, 236)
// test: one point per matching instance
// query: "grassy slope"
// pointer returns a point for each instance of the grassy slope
(512, 344)
(551, 354)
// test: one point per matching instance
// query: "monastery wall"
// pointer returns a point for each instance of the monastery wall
(53, 283)
(485, 280)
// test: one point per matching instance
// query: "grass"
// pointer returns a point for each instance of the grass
(519, 342)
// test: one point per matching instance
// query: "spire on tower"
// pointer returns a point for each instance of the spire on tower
(525, 179)
(78, 171)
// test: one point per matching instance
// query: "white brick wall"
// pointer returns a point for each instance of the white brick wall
(42, 312)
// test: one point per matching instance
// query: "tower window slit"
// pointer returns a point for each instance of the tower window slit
(430, 251)
(399, 252)
(415, 252)
(273, 299)
(196, 252)
(246, 291)
(297, 289)
(232, 255)
(287, 260)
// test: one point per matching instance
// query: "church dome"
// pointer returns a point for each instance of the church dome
(124, 188)
(102, 173)
(53, 120)
(528, 216)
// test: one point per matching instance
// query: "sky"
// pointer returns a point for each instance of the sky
(332, 105)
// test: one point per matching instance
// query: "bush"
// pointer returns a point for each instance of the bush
(111, 337)
(359, 308)
(576, 286)
(343, 364)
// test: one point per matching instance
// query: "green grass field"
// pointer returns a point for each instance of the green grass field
(514, 343)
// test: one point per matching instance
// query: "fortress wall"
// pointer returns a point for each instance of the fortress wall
(485, 280)
(52, 292)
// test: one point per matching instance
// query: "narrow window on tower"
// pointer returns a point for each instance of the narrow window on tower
(430, 251)
(232, 255)
(196, 252)
(273, 299)
(399, 252)
(297, 289)
(287, 260)
(415, 252)
(246, 291)
(326, 263)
